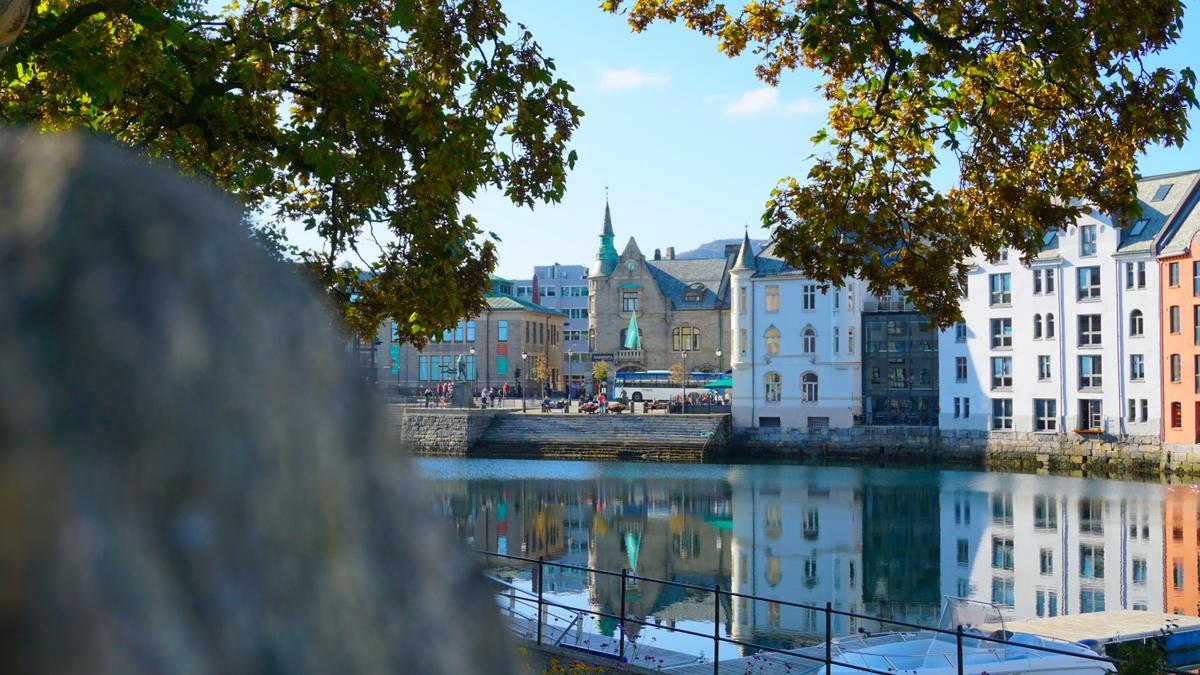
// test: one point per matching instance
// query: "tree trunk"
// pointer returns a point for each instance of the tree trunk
(13, 16)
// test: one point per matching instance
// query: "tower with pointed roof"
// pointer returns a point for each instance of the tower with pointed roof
(606, 257)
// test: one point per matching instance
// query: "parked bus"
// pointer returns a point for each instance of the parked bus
(655, 385)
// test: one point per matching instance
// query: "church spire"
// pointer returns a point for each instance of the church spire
(606, 257)
(745, 256)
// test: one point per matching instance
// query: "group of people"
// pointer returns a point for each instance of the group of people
(705, 399)
(442, 394)
(491, 397)
(587, 404)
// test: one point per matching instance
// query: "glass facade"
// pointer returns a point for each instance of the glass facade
(900, 369)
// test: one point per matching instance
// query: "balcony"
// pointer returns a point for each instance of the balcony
(630, 355)
(889, 305)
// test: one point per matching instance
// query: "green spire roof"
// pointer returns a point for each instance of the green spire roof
(606, 257)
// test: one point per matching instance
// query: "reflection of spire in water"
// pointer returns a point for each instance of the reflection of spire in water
(631, 550)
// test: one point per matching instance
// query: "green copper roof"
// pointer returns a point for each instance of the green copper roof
(606, 257)
(508, 302)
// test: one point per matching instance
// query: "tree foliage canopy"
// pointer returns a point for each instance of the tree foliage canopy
(343, 115)
(1043, 105)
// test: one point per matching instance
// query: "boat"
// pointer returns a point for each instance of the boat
(928, 652)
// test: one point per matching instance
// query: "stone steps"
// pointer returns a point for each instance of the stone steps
(569, 433)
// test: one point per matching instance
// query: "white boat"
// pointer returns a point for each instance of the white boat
(930, 652)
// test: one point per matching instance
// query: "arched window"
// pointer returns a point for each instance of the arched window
(1049, 325)
(774, 387)
(1037, 326)
(808, 387)
(810, 341)
(1136, 323)
(772, 337)
(685, 339)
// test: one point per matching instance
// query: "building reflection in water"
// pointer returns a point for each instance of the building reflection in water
(885, 543)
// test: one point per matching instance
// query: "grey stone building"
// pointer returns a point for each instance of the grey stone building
(682, 308)
(499, 346)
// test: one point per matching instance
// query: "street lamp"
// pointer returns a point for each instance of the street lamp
(683, 355)
(474, 377)
(524, 372)
(719, 370)
(570, 358)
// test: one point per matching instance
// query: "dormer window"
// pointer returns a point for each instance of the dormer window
(1139, 227)
(1162, 192)
(694, 292)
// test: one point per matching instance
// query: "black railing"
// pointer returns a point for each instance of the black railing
(826, 659)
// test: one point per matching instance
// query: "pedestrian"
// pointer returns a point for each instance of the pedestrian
(428, 395)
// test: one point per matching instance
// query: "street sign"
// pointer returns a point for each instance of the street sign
(602, 357)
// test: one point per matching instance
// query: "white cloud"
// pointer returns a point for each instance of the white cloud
(759, 101)
(620, 79)
(753, 103)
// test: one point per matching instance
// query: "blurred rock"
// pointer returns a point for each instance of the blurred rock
(191, 478)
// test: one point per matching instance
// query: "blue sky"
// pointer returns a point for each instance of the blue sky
(688, 141)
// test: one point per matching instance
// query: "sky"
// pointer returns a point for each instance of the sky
(687, 142)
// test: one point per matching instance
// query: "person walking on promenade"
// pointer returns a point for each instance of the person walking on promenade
(428, 395)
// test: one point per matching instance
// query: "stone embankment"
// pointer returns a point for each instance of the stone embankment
(995, 450)
(462, 432)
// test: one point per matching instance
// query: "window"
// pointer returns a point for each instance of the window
(742, 340)
(1196, 324)
(501, 331)
(1001, 333)
(1087, 241)
(1049, 326)
(960, 368)
(850, 340)
(1037, 326)
(966, 407)
(1089, 372)
(809, 341)
(1089, 283)
(1046, 561)
(963, 550)
(957, 407)
(1001, 372)
(1001, 288)
(1002, 553)
(1176, 368)
(1135, 275)
(1176, 415)
(1091, 561)
(960, 332)
(1045, 512)
(423, 368)
(808, 297)
(1173, 274)
(837, 340)
(1145, 410)
(1047, 603)
(1139, 570)
(1048, 281)
(772, 338)
(808, 387)
(1043, 367)
(685, 339)
(629, 301)
(1002, 413)
(774, 387)
(1196, 371)
(1045, 414)
(1037, 282)
(694, 292)
(1137, 368)
(592, 340)
(1196, 278)
(1089, 330)
(1177, 576)
(772, 298)
(1091, 600)
(1002, 592)
(1136, 323)
(742, 300)
(1162, 192)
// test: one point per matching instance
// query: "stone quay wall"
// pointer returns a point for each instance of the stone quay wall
(994, 450)
(439, 431)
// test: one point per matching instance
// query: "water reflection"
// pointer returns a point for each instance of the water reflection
(879, 542)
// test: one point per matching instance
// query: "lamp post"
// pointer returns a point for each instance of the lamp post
(570, 357)
(683, 356)
(524, 372)
(719, 371)
(474, 377)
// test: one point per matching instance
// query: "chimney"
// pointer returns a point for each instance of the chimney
(670, 253)
(731, 249)
(657, 254)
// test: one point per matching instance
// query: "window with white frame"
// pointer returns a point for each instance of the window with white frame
(1001, 333)
(1045, 414)
(1090, 376)
(960, 368)
(1087, 241)
(1001, 288)
(1089, 283)
(960, 332)
(1001, 372)
(742, 300)
(1049, 326)
(809, 341)
(1135, 275)
(1043, 367)
(808, 297)
(1137, 367)
(1137, 325)
(629, 301)
(772, 340)
(1089, 330)
(1002, 413)
(1037, 326)
(773, 385)
(808, 387)
(772, 298)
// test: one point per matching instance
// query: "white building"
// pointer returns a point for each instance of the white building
(796, 362)
(1068, 343)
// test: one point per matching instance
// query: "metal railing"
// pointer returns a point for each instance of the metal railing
(822, 655)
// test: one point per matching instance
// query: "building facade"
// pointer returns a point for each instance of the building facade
(1179, 324)
(681, 308)
(1065, 344)
(900, 363)
(500, 346)
(565, 288)
(796, 362)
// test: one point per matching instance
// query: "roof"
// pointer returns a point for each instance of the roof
(1176, 237)
(745, 254)
(1141, 237)
(508, 302)
(673, 277)
(769, 264)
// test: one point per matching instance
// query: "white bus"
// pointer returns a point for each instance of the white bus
(655, 385)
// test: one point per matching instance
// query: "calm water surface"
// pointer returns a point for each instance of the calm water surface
(883, 542)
